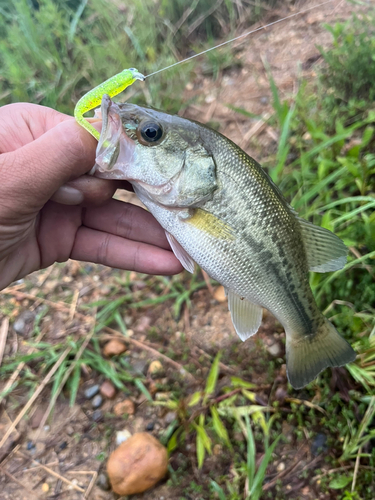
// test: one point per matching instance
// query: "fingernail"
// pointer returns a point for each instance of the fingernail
(67, 195)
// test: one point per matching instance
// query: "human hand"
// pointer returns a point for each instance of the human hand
(49, 209)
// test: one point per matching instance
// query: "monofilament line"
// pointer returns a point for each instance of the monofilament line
(240, 36)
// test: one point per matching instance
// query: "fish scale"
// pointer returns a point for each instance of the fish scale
(221, 210)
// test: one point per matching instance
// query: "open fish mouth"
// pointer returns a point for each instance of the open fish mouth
(115, 149)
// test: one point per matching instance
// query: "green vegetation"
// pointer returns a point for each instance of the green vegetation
(53, 52)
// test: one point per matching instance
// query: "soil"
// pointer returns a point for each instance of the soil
(65, 458)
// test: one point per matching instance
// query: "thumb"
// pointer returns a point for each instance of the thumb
(35, 171)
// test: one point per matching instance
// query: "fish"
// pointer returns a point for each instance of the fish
(221, 210)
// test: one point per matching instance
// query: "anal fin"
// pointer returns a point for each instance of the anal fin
(181, 253)
(246, 316)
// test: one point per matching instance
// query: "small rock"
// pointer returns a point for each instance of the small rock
(30, 445)
(23, 323)
(124, 407)
(140, 366)
(69, 430)
(97, 415)
(143, 324)
(280, 393)
(37, 417)
(107, 390)
(150, 426)
(169, 417)
(97, 401)
(319, 444)
(217, 449)
(122, 436)
(63, 445)
(137, 465)
(155, 368)
(114, 348)
(280, 467)
(219, 294)
(92, 391)
(274, 349)
(103, 482)
(264, 100)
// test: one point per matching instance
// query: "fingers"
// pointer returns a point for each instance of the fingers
(86, 190)
(34, 172)
(110, 250)
(22, 123)
(126, 220)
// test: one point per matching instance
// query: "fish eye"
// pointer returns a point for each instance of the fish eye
(149, 133)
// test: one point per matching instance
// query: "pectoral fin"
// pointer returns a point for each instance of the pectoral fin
(325, 251)
(209, 223)
(180, 253)
(246, 316)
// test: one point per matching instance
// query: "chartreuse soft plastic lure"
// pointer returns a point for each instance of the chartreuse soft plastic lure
(112, 87)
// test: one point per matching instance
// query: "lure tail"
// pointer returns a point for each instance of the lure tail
(307, 356)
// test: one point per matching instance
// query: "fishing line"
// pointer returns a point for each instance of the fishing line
(240, 36)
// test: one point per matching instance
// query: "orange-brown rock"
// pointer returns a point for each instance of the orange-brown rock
(107, 389)
(114, 348)
(124, 407)
(219, 294)
(137, 464)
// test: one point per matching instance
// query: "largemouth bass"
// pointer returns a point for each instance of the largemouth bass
(221, 210)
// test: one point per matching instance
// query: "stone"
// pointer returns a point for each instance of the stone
(107, 390)
(150, 426)
(37, 417)
(97, 415)
(97, 401)
(137, 464)
(274, 349)
(23, 323)
(92, 391)
(122, 436)
(219, 294)
(114, 348)
(169, 417)
(125, 407)
(319, 444)
(103, 482)
(155, 368)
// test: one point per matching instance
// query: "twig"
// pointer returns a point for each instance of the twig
(9, 456)
(357, 460)
(45, 381)
(7, 473)
(62, 383)
(208, 282)
(138, 343)
(30, 469)
(145, 347)
(20, 367)
(73, 305)
(306, 403)
(30, 296)
(4, 328)
(53, 473)
(91, 484)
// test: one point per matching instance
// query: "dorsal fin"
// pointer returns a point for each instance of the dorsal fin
(325, 251)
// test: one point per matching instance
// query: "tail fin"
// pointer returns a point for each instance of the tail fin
(307, 356)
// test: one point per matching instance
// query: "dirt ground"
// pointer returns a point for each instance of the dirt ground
(64, 458)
